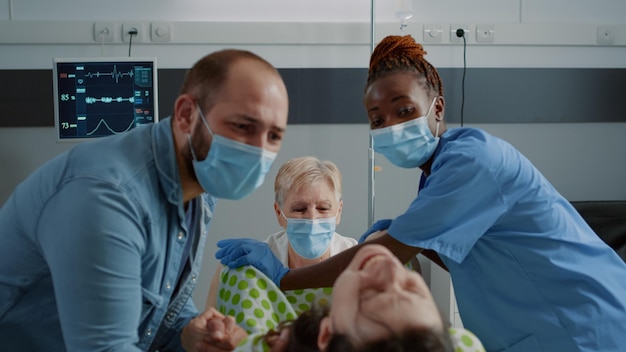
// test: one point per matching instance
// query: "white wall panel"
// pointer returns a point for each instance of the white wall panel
(531, 11)
(573, 11)
(495, 11)
(195, 10)
(4, 10)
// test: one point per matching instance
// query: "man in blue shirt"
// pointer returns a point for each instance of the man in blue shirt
(101, 247)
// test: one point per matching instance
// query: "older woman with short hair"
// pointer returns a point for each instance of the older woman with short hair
(308, 206)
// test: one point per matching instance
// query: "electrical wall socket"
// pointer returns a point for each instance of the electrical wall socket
(160, 32)
(130, 26)
(606, 35)
(485, 33)
(433, 33)
(104, 32)
(453, 36)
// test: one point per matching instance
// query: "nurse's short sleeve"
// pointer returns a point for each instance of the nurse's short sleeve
(460, 201)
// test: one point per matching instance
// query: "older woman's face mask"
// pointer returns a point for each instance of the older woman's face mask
(311, 214)
(372, 296)
(310, 238)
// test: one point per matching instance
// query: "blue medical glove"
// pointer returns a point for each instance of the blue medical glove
(382, 224)
(245, 251)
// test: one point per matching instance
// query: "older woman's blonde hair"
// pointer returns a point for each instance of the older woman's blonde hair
(305, 171)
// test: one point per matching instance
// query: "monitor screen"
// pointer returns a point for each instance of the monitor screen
(97, 97)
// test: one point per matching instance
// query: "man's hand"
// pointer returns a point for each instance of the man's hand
(211, 331)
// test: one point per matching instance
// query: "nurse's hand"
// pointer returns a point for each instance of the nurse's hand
(236, 253)
(379, 225)
(211, 331)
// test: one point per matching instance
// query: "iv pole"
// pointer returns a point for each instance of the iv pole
(370, 219)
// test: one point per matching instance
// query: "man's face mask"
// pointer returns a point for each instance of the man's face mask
(231, 170)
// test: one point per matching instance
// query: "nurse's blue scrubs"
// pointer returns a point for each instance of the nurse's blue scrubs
(529, 274)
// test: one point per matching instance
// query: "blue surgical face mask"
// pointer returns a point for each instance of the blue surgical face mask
(310, 238)
(408, 144)
(232, 170)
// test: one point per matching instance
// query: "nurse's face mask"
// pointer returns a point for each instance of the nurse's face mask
(231, 170)
(409, 144)
(310, 238)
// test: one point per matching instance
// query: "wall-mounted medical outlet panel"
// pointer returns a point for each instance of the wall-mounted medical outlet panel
(104, 32)
(160, 32)
(138, 27)
(433, 33)
(606, 35)
(456, 39)
(485, 33)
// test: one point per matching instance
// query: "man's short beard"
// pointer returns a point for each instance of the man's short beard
(188, 162)
(198, 142)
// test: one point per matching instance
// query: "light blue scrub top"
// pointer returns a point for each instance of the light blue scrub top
(529, 274)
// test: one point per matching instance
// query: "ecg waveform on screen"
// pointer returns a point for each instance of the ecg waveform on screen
(100, 98)
(92, 100)
(106, 125)
(115, 74)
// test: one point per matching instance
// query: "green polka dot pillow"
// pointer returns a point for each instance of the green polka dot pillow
(465, 341)
(257, 304)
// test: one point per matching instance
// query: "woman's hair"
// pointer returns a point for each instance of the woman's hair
(402, 54)
(208, 74)
(414, 340)
(303, 333)
(303, 172)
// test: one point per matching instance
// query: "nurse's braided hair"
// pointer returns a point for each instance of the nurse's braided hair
(397, 53)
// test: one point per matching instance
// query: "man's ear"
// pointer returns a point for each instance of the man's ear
(184, 113)
(325, 334)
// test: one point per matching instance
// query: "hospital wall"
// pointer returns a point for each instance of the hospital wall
(582, 157)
